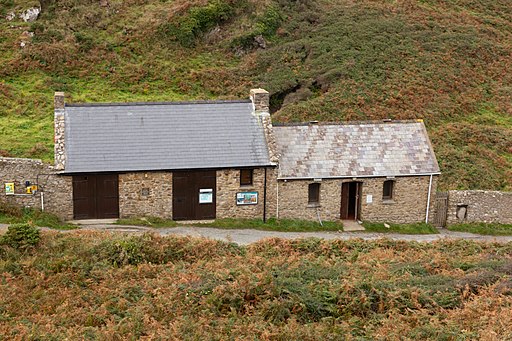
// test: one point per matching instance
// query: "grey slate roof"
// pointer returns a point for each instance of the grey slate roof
(160, 136)
(354, 150)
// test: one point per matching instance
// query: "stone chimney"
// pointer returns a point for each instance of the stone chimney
(60, 131)
(260, 99)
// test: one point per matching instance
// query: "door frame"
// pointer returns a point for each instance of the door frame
(351, 192)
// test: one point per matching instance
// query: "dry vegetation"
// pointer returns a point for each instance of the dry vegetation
(83, 285)
(447, 62)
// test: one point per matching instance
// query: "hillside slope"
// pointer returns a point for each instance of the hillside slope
(447, 62)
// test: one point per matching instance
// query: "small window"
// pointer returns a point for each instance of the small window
(387, 190)
(314, 193)
(246, 177)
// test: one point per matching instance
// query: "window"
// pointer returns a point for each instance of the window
(246, 177)
(314, 194)
(387, 190)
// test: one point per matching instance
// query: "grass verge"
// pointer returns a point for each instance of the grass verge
(35, 218)
(483, 228)
(284, 225)
(417, 228)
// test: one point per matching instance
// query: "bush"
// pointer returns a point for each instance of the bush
(198, 21)
(21, 236)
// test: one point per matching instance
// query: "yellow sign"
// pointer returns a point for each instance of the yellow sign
(31, 189)
(9, 188)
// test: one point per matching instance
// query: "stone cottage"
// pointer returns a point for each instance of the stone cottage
(219, 159)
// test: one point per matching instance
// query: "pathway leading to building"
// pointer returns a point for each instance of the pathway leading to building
(248, 236)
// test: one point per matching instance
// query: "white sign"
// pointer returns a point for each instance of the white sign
(205, 195)
(369, 199)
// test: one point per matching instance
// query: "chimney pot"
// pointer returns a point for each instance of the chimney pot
(261, 100)
(58, 101)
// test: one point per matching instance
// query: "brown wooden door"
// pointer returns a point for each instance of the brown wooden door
(350, 203)
(187, 189)
(84, 201)
(95, 196)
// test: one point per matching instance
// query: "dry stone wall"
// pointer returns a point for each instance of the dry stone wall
(55, 191)
(479, 206)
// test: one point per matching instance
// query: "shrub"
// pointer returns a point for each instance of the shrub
(198, 20)
(21, 236)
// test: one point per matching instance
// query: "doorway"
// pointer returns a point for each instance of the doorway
(350, 200)
(95, 196)
(193, 195)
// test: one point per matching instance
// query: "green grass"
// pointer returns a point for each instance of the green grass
(325, 60)
(284, 225)
(483, 228)
(34, 218)
(418, 228)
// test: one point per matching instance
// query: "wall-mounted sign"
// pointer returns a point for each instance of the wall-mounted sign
(369, 199)
(247, 198)
(9, 188)
(205, 195)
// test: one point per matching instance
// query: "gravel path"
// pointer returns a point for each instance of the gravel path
(248, 236)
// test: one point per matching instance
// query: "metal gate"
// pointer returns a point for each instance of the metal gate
(441, 209)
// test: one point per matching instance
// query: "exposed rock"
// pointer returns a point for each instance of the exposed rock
(301, 94)
(10, 16)
(260, 42)
(30, 14)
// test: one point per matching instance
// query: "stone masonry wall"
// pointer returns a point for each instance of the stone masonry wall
(408, 204)
(228, 185)
(480, 206)
(293, 200)
(55, 189)
(145, 194)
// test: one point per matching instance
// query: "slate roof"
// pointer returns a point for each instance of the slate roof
(354, 150)
(163, 136)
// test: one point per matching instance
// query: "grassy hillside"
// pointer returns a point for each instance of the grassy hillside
(108, 287)
(447, 62)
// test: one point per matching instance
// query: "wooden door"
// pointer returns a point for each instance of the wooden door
(350, 203)
(441, 209)
(95, 196)
(194, 195)
(107, 196)
(84, 201)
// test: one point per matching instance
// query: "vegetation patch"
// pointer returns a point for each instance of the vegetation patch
(285, 225)
(11, 214)
(146, 286)
(417, 228)
(491, 229)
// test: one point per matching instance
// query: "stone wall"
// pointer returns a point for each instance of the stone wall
(409, 203)
(479, 206)
(150, 194)
(293, 200)
(55, 190)
(145, 194)
(407, 206)
(228, 185)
